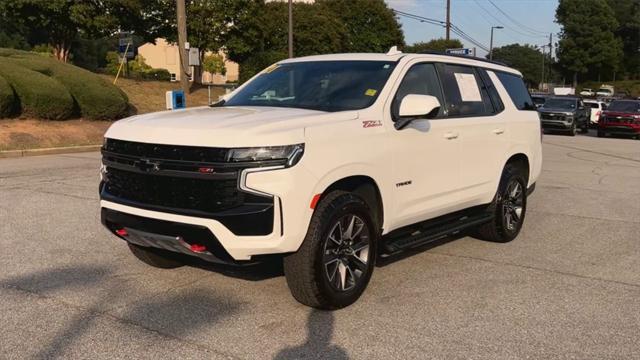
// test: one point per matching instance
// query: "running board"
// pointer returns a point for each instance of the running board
(430, 231)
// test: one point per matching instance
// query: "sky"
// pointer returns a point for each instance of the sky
(528, 21)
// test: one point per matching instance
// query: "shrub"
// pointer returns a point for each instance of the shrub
(95, 97)
(38, 94)
(7, 99)
(214, 64)
(158, 74)
(138, 68)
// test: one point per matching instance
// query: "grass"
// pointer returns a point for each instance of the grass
(144, 97)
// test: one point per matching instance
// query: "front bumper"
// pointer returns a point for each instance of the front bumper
(556, 125)
(292, 190)
(619, 129)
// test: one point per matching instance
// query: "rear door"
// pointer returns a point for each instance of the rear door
(483, 132)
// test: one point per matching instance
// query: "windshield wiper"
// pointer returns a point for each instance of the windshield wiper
(218, 103)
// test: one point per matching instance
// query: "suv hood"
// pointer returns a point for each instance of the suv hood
(224, 126)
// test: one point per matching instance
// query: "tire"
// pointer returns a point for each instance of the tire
(574, 129)
(156, 257)
(601, 133)
(509, 208)
(334, 263)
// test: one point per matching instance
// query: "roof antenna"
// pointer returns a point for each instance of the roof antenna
(394, 51)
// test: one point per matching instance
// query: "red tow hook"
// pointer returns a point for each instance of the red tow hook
(122, 232)
(197, 248)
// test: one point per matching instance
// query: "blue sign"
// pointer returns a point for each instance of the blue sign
(177, 99)
(459, 51)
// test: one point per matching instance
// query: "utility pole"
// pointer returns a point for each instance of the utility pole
(290, 28)
(182, 39)
(448, 19)
(551, 45)
(542, 76)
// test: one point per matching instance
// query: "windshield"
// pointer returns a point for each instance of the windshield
(316, 85)
(625, 106)
(556, 103)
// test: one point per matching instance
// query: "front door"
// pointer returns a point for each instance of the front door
(426, 154)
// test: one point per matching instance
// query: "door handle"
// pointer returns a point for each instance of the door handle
(450, 135)
(498, 131)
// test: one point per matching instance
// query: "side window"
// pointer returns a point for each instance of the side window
(517, 90)
(421, 79)
(463, 91)
(498, 105)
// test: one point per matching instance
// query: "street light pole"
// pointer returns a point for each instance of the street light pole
(491, 41)
(290, 28)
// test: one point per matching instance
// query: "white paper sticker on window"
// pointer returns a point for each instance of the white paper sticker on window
(468, 86)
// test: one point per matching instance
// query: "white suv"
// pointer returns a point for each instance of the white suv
(328, 162)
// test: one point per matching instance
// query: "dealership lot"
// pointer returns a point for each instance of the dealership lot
(567, 287)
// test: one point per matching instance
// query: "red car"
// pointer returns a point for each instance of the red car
(622, 117)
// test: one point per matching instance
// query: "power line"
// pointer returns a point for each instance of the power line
(507, 26)
(517, 23)
(455, 29)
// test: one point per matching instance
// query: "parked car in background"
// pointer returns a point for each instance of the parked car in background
(622, 117)
(564, 113)
(596, 107)
(587, 92)
(606, 91)
(538, 99)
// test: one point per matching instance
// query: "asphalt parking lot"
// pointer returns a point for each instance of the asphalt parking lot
(567, 287)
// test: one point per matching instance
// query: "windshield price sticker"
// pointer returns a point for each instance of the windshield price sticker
(371, 92)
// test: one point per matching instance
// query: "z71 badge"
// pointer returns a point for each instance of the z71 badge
(371, 123)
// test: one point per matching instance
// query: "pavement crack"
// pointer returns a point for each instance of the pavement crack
(120, 320)
(586, 217)
(535, 268)
(593, 152)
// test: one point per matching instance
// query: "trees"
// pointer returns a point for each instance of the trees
(587, 41)
(627, 12)
(434, 45)
(527, 59)
(59, 22)
(326, 26)
(371, 26)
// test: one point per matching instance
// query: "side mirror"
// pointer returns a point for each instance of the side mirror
(414, 106)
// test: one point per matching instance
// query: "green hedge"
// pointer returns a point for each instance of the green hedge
(7, 99)
(38, 94)
(90, 96)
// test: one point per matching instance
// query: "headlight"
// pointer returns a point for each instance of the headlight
(288, 154)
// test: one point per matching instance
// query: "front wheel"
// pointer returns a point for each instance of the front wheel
(334, 264)
(574, 129)
(509, 207)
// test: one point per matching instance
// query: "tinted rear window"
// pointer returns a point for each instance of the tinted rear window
(517, 91)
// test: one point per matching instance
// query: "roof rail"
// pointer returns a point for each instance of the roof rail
(463, 57)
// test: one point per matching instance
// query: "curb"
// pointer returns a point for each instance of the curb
(49, 151)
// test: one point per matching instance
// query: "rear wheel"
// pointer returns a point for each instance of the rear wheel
(334, 264)
(509, 207)
(156, 257)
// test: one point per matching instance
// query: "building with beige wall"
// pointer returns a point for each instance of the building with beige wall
(164, 55)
